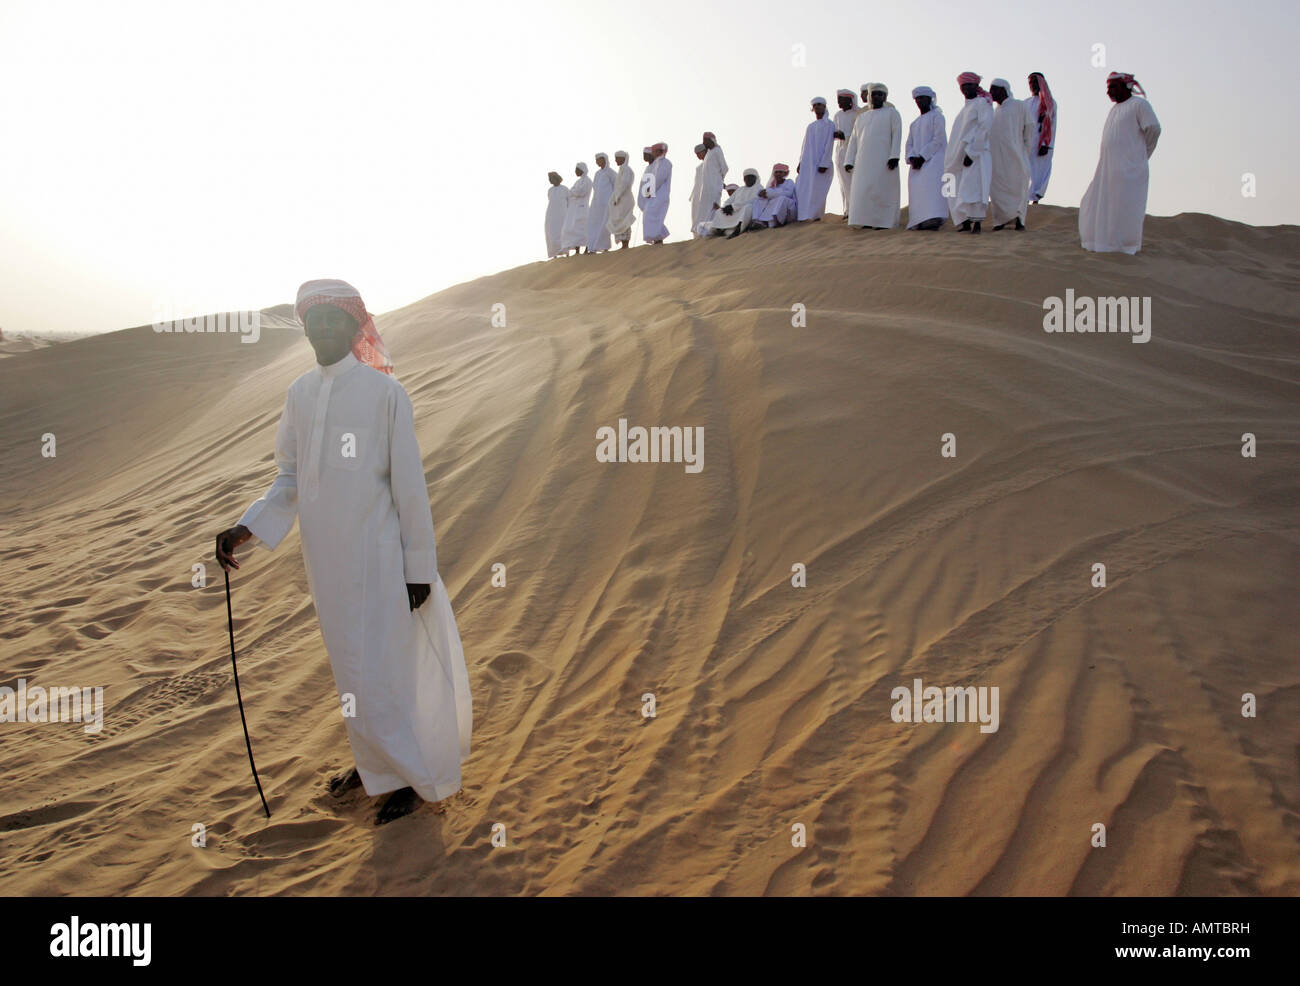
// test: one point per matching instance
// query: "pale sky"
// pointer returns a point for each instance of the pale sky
(191, 157)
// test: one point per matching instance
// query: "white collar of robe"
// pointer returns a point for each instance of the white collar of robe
(342, 366)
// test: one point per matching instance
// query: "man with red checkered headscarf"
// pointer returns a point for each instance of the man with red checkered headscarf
(350, 472)
(1114, 207)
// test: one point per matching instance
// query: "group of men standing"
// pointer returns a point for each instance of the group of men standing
(994, 161)
(984, 169)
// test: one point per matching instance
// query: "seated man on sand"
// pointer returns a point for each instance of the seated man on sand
(350, 473)
(776, 205)
(738, 210)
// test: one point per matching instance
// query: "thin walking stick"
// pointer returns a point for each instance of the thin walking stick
(230, 622)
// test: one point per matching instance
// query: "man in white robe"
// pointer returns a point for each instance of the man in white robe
(872, 157)
(967, 158)
(1012, 139)
(350, 472)
(1043, 110)
(602, 187)
(705, 228)
(653, 194)
(927, 140)
(845, 117)
(775, 204)
(557, 206)
(621, 202)
(1114, 206)
(738, 211)
(715, 174)
(575, 218)
(815, 161)
(697, 190)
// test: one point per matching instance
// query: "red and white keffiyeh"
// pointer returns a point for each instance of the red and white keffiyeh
(367, 346)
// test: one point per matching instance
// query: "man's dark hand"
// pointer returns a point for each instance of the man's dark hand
(727, 209)
(821, 171)
(916, 162)
(417, 594)
(892, 163)
(966, 161)
(848, 167)
(839, 135)
(1042, 151)
(227, 541)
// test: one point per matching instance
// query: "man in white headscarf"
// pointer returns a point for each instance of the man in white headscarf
(1114, 206)
(872, 157)
(575, 219)
(715, 174)
(653, 194)
(967, 158)
(775, 204)
(1012, 138)
(844, 120)
(815, 161)
(602, 187)
(697, 190)
(738, 211)
(557, 207)
(349, 472)
(927, 140)
(621, 202)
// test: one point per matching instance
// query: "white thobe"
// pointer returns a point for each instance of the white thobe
(350, 472)
(779, 207)
(602, 187)
(812, 186)
(654, 207)
(697, 193)
(1013, 136)
(1115, 204)
(1040, 168)
(620, 204)
(970, 138)
(844, 120)
(742, 211)
(927, 137)
(715, 174)
(877, 138)
(575, 220)
(557, 207)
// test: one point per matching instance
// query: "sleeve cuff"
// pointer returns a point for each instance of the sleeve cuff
(420, 567)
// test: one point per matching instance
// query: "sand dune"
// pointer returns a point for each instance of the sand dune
(1119, 706)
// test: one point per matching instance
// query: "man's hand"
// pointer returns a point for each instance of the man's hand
(416, 595)
(821, 171)
(1042, 151)
(227, 541)
(892, 163)
(848, 167)
(966, 161)
(727, 209)
(839, 134)
(916, 162)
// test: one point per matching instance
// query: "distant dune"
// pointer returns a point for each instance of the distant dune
(1119, 706)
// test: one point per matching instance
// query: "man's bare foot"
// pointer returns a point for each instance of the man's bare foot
(399, 803)
(345, 782)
